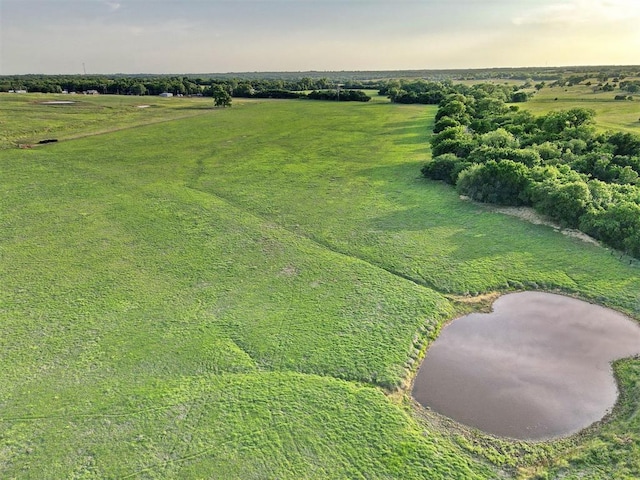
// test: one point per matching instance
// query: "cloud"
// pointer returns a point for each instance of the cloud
(581, 12)
(113, 6)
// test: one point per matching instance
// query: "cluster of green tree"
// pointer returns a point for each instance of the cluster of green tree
(631, 86)
(242, 87)
(433, 93)
(221, 97)
(263, 90)
(123, 85)
(177, 85)
(141, 84)
(556, 163)
(269, 93)
(599, 82)
(339, 95)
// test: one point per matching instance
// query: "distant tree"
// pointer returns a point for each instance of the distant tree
(244, 90)
(342, 95)
(138, 89)
(518, 97)
(177, 87)
(631, 87)
(221, 97)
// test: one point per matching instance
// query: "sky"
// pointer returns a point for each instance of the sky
(211, 36)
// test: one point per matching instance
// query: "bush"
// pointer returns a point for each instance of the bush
(526, 156)
(445, 167)
(503, 182)
(618, 225)
(453, 140)
(444, 123)
(565, 202)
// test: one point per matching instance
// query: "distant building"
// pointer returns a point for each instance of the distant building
(17, 91)
(166, 94)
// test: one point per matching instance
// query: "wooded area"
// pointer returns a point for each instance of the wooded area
(557, 163)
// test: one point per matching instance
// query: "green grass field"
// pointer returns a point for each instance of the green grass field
(610, 114)
(241, 293)
(25, 119)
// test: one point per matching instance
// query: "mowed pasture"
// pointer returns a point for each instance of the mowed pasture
(237, 294)
(28, 118)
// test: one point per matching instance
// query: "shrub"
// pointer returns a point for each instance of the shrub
(565, 202)
(503, 182)
(445, 167)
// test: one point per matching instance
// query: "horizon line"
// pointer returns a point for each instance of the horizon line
(548, 67)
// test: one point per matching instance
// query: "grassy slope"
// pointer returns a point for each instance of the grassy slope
(373, 205)
(217, 296)
(151, 327)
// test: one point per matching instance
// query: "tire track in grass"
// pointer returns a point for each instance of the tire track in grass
(177, 442)
(201, 453)
(200, 401)
(64, 138)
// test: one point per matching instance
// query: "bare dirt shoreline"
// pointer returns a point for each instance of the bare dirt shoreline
(530, 215)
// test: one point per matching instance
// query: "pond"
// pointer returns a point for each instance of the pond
(537, 367)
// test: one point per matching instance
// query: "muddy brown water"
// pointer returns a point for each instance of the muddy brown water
(537, 367)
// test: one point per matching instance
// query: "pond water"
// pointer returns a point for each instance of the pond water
(537, 367)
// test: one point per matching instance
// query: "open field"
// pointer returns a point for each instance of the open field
(237, 294)
(610, 114)
(27, 119)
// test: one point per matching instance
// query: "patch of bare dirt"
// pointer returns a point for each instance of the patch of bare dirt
(478, 303)
(530, 215)
(289, 271)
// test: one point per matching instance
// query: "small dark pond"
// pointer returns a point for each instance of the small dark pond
(537, 367)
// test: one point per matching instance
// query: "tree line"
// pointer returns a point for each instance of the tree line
(219, 89)
(556, 163)
(177, 85)
(303, 81)
(433, 93)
